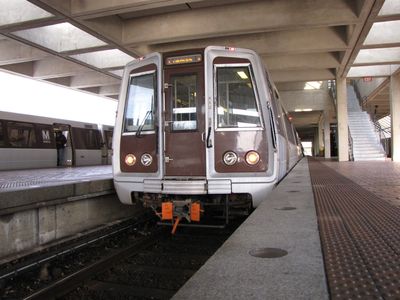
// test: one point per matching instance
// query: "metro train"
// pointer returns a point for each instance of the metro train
(200, 128)
(28, 142)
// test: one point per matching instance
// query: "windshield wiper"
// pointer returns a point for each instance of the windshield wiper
(139, 131)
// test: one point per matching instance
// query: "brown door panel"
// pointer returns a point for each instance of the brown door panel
(184, 116)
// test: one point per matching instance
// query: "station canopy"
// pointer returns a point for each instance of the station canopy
(84, 44)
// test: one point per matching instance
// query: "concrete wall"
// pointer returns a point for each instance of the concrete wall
(25, 230)
(314, 99)
(366, 88)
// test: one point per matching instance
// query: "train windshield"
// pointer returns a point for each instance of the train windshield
(140, 104)
(237, 103)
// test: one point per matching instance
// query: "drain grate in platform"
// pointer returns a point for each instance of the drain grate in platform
(360, 235)
(286, 208)
(268, 252)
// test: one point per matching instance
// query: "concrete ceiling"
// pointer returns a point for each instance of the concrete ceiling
(84, 44)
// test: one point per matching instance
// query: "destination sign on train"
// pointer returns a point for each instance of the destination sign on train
(186, 59)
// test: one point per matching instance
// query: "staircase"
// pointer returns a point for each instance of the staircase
(366, 144)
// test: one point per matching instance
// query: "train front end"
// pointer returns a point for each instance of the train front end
(195, 131)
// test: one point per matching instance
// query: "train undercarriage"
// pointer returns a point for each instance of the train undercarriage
(195, 210)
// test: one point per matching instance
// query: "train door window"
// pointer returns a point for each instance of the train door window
(184, 98)
(108, 134)
(2, 142)
(140, 106)
(237, 105)
(21, 135)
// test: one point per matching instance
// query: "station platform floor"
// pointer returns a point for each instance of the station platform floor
(328, 230)
(26, 179)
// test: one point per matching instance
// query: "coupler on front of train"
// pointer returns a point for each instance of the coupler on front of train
(195, 133)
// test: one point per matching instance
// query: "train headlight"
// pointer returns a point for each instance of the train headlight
(252, 157)
(230, 158)
(146, 159)
(130, 159)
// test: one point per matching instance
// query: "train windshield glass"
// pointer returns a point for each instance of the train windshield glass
(237, 104)
(140, 108)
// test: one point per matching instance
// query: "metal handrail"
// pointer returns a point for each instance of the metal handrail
(382, 137)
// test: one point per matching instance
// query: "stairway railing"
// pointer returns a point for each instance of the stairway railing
(383, 134)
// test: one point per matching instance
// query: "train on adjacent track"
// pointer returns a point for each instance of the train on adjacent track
(28, 142)
(200, 128)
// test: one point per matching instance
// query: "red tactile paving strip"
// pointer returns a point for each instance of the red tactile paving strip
(360, 235)
(379, 177)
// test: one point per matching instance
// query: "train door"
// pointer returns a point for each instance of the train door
(65, 157)
(184, 121)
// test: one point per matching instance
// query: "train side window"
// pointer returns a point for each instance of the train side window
(21, 135)
(140, 105)
(2, 142)
(237, 105)
(108, 134)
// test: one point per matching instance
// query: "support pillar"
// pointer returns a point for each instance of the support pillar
(395, 113)
(341, 108)
(320, 136)
(327, 134)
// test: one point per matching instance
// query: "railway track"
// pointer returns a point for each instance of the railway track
(140, 263)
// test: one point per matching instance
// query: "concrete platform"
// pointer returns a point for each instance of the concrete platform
(232, 273)
(38, 207)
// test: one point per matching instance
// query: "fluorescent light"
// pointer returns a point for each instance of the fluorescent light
(302, 109)
(313, 85)
(242, 75)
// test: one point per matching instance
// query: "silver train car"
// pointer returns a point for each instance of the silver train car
(28, 142)
(200, 128)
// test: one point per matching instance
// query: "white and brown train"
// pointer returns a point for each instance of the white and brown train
(28, 142)
(197, 128)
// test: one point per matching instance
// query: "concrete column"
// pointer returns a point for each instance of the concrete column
(316, 142)
(327, 134)
(395, 113)
(341, 103)
(320, 135)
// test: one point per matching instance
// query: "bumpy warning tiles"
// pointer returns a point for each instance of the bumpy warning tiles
(380, 178)
(360, 235)
(24, 179)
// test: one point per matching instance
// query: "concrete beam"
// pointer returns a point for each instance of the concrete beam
(265, 16)
(25, 68)
(55, 67)
(91, 79)
(302, 61)
(383, 33)
(12, 52)
(109, 90)
(60, 37)
(326, 39)
(369, 10)
(85, 9)
(374, 71)
(378, 56)
(65, 81)
(302, 75)
(93, 90)
(12, 16)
